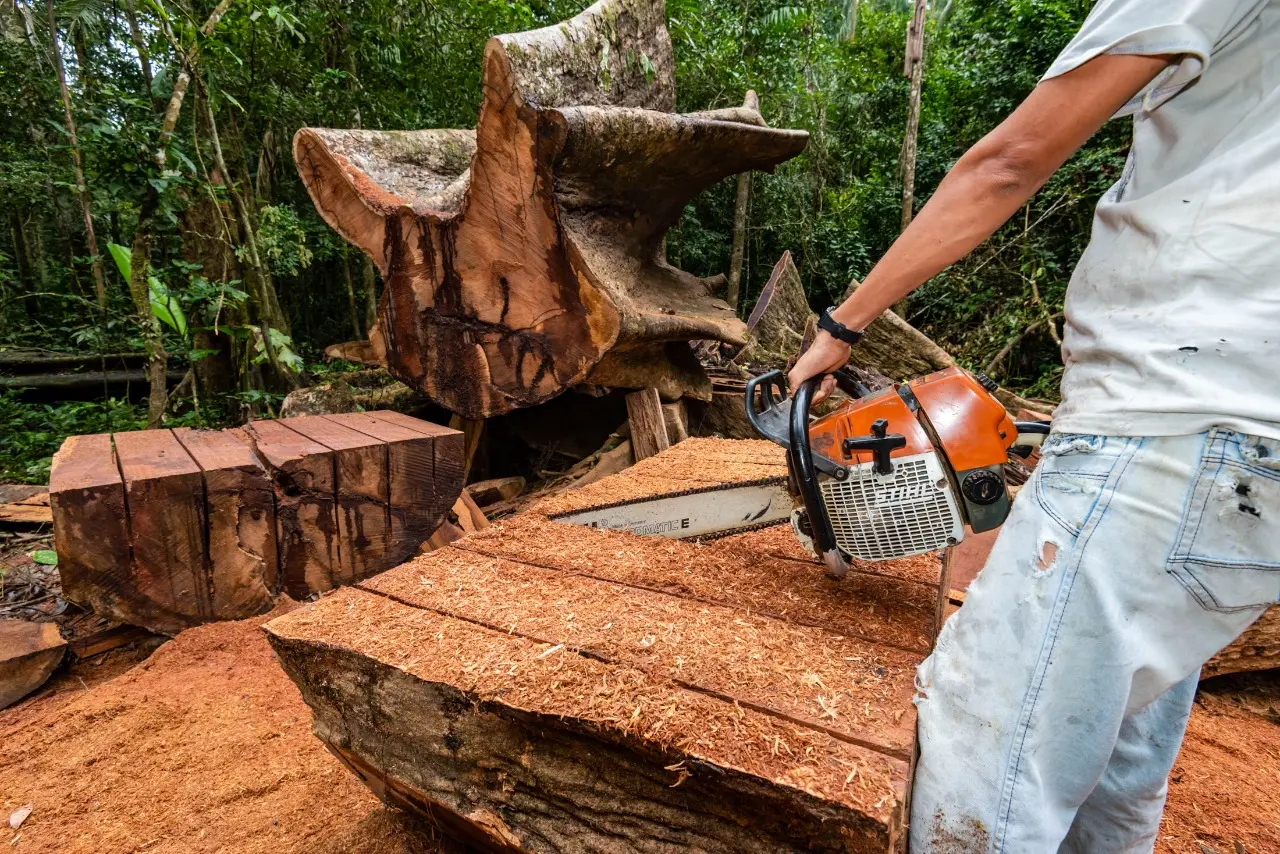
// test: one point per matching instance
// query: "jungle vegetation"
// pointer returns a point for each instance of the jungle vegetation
(150, 201)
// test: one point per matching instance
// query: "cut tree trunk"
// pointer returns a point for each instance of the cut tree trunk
(779, 319)
(174, 528)
(618, 689)
(527, 256)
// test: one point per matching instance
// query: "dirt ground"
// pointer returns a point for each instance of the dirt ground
(205, 746)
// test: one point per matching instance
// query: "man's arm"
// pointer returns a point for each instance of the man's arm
(987, 186)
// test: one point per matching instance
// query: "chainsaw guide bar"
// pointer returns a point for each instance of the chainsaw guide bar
(687, 515)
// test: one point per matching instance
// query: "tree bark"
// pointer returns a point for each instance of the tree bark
(528, 258)
(752, 102)
(915, 64)
(77, 162)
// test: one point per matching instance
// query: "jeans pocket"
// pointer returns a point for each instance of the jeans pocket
(1227, 551)
(1071, 475)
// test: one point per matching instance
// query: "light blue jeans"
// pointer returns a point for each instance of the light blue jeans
(1056, 699)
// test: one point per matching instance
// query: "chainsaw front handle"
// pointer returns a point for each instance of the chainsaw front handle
(806, 480)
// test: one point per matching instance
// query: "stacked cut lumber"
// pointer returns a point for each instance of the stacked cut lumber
(545, 687)
(170, 528)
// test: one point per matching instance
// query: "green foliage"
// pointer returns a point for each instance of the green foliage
(33, 432)
(273, 66)
(282, 240)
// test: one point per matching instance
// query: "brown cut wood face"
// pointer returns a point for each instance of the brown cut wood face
(574, 754)
(240, 507)
(362, 490)
(419, 493)
(164, 493)
(302, 471)
(90, 531)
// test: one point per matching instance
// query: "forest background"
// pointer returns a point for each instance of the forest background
(150, 200)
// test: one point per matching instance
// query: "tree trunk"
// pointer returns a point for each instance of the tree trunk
(369, 276)
(752, 102)
(77, 162)
(527, 257)
(778, 322)
(139, 44)
(356, 334)
(915, 67)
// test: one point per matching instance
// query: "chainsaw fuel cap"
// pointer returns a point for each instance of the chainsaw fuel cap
(982, 487)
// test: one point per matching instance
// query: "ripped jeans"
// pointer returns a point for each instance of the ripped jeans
(1055, 702)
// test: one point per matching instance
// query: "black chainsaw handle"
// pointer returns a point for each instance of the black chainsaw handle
(767, 395)
(806, 479)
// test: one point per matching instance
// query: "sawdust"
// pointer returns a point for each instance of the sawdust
(879, 609)
(854, 689)
(780, 541)
(621, 702)
(203, 747)
(1223, 789)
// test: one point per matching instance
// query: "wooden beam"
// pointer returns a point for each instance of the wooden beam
(306, 516)
(362, 491)
(648, 427)
(241, 516)
(164, 493)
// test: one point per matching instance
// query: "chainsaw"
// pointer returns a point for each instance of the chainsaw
(886, 474)
(896, 472)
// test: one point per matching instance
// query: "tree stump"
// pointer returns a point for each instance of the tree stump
(527, 256)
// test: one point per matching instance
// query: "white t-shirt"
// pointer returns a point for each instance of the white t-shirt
(1173, 314)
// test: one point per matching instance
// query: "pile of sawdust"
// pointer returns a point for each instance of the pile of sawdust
(1224, 793)
(205, 746)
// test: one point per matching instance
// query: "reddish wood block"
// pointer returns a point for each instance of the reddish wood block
(240, 507)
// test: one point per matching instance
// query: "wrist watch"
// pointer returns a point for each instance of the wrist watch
(836, 329)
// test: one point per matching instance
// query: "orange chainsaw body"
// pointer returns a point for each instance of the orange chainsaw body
(972, 428)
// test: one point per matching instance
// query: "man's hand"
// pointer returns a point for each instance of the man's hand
(826, 355)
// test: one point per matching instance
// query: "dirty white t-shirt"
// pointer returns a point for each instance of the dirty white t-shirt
(1173, 314)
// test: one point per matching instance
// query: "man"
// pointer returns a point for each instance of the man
(1055, 701)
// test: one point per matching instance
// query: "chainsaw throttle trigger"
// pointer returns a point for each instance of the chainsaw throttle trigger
(881, 443)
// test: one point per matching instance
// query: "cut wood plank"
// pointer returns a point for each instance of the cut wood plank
(306, 515)
(90, 532)
(577, 754)
(872, 607)
(29, 653)
(648, 427)
(692, 464)
(364, 515)
(106, 640)
(25, 514)
(424, 474)
(164, 493)
(470, 517)
(241, 517)
(857, 691)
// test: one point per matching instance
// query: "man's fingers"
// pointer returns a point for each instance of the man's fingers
(824, 390)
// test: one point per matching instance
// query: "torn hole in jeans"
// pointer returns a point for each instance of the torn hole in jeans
(1046, 558)
(1070, 443)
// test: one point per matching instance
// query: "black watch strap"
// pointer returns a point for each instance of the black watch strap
(836, 329)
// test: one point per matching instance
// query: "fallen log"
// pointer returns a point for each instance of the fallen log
(527, 256)
(779, 319)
